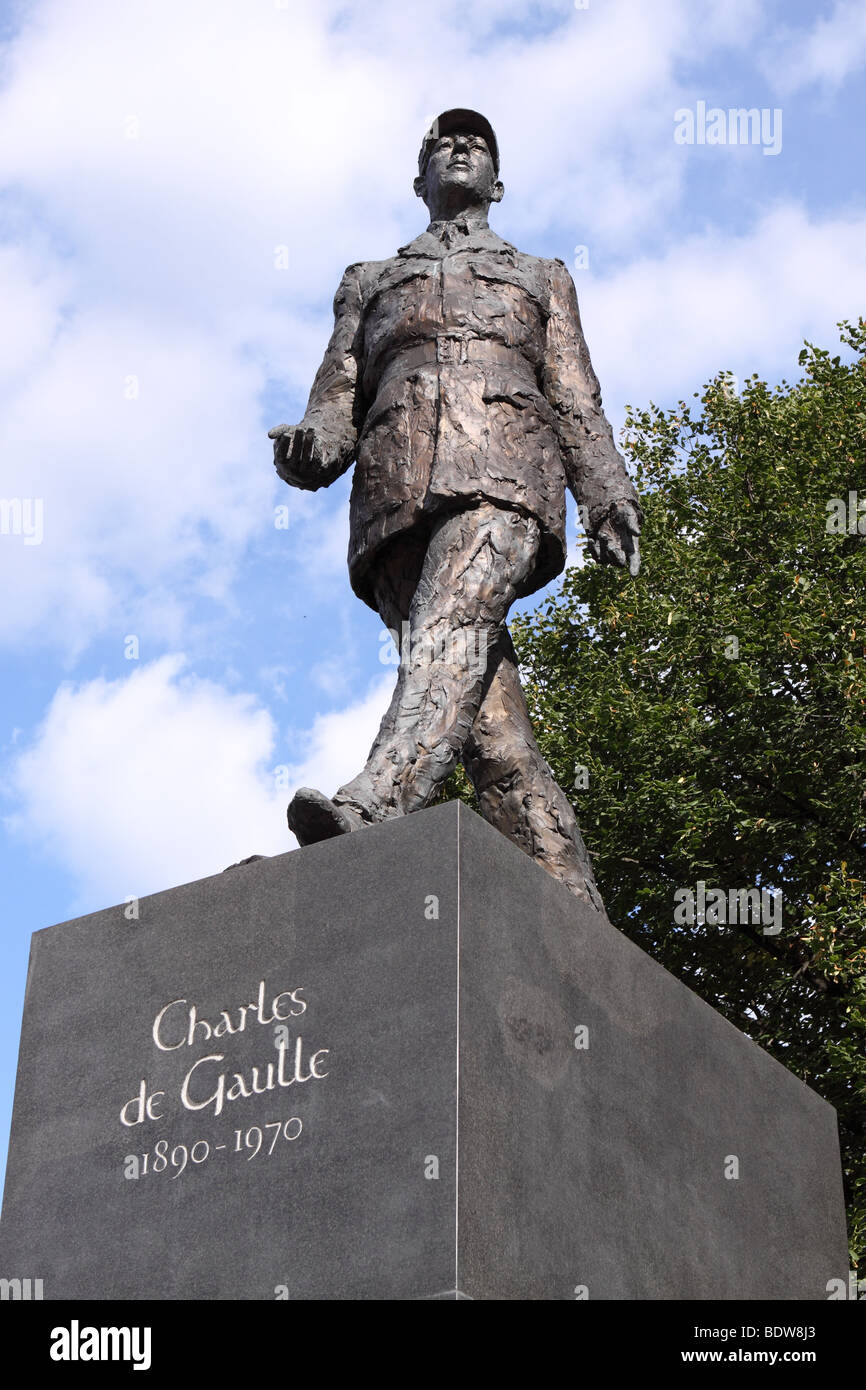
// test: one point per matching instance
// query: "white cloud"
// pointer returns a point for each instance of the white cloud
(144, 782)
(157, 156)
(32, 290)
(664, 325)
(338, 743)
(136, 445)
(827, 55)
(159, 778)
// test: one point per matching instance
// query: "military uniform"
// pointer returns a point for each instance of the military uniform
(458, 371)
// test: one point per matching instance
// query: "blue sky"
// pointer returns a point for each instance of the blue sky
(181, 187)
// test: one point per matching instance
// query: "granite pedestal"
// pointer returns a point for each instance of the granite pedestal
(403, 1064)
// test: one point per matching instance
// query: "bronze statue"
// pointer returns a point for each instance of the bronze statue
(458, 380)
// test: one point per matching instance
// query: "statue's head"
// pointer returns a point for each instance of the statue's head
(459, 164)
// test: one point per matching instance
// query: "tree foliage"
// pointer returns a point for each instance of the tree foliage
(718, 702)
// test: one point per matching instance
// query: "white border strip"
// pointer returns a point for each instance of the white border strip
(457, 1086)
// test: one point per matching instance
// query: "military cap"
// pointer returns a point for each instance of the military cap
(450, 123)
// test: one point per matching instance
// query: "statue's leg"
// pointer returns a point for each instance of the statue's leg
(475, 562)
(311, 815)
(514, 785)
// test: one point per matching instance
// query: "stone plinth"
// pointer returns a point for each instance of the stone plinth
(403, 1064)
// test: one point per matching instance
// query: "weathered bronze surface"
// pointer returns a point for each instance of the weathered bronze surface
(458, 380)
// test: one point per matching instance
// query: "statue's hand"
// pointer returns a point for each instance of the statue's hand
(298, 456)
(616, 540)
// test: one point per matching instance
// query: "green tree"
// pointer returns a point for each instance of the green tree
(717, 701)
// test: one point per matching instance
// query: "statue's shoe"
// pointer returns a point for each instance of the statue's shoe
(313, 817)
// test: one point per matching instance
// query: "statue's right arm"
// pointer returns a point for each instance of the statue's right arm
(313, 453)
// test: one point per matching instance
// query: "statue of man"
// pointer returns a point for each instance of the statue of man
(458, 379)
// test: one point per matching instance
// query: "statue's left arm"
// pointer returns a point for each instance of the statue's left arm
(595, 470)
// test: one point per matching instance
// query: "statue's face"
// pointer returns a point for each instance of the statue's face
(461, 161)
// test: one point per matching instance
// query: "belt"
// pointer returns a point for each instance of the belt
(455, 349)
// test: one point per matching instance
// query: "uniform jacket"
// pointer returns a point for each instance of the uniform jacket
(459, 373)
